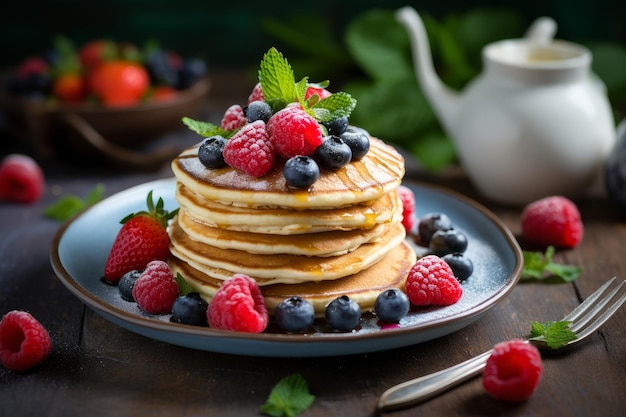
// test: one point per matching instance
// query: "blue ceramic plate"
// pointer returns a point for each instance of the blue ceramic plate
(81, 246)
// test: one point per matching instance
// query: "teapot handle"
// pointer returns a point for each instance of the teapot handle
(541, 31)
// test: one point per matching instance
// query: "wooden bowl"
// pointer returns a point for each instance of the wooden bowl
(115, 134)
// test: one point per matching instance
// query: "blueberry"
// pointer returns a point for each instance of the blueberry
(211, 152)
(126, 284)
(461, 265)
(343, 314)
(333, 153)
(258, 110)
(301, 172)
(336, 126)
(358, 140)
(430, 223)
(391, 305)
(190, 309)
(446, 241)
(294, 314)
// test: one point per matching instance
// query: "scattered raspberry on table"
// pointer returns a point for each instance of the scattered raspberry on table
(553, 220)
(513, 371)
(24, 342)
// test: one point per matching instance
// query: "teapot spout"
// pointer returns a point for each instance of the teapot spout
(443, 100)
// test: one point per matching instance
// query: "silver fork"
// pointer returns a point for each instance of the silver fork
(585, 319)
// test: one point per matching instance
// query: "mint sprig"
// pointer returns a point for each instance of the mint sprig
(68, 204)
(183, 286)
(280, 88)
(277, 80)
(556, 334)
(289, 397)
(206, 129)
(539, 266)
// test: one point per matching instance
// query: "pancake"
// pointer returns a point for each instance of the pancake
(379, 172)
(332, 243)
(281, 268)
(362, 287)
(288, 221)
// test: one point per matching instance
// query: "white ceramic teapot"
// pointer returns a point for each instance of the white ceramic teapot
(534, 123)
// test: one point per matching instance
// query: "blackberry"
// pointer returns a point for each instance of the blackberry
(192, 70)
(391, 305)
(160, 69)
(336, 126)
(461, 265)
(333, 153)
(190, 309)
(211, 152)
(447, 241)
(430, 223)
(301, 172)
(294, 314)
(358, 140)
(258, 110)
(343, 314)
(126, 284)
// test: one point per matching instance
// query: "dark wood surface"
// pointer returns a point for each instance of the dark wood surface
(99, 369)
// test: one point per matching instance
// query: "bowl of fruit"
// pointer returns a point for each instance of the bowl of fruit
(104, 98)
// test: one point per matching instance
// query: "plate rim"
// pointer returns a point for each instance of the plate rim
(104, 308)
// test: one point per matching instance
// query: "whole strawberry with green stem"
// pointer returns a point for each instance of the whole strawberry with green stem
(143, 238)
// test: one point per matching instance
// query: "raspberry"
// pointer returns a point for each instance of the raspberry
(553, 220)
(21, 179)
(294, 132)
(409, 219)
(24, 342)
(233, 118)
(238, 305)
(256, 94)
(250, 150)
(432, 282)
(156, 289)
(513, 371)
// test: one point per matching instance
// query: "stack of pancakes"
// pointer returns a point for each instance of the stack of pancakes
(343, 236)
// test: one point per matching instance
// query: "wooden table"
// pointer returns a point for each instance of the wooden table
(99, 369)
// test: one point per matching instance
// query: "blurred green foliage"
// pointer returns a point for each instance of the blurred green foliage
(374, 65)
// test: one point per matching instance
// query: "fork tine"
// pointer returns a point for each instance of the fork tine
(607, 313)
(581, 322)
(589, 302)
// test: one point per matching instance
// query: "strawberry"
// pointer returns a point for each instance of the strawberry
(119, 83)
(143, 238)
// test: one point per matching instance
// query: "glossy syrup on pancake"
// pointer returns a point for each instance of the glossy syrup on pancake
(379, 172)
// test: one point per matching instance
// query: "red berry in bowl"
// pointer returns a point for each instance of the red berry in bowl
(24, 342)
(553, 220)
(513, 371)
(21, 179)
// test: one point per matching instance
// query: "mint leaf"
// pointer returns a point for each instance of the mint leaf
(68, 205)
(277, 80)
(539, 266)
(336, 105)
(206, 129)
(183, 286)
(288, 398)
(556, 334)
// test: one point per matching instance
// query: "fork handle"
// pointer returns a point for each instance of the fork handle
(428, 386)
